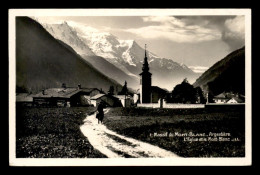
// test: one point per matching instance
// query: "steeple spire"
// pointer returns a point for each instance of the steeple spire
(145, 50)
(145, 64)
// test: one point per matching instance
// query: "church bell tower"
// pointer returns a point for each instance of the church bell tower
(145, 82)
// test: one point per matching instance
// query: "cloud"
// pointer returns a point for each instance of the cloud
(166, 20)
(198, 69)
(230, 30)
(236, 25)
(175, 30)
(234, 32)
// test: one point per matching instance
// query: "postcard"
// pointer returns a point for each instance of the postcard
(130, 87)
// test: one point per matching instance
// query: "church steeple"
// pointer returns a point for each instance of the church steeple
(145, 81)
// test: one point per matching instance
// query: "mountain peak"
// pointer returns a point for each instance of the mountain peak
(68, 35)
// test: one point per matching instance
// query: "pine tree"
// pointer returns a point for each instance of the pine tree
(124, 90)
(111, 90)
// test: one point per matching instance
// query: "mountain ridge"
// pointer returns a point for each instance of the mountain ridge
(228, 74)
(42, 61)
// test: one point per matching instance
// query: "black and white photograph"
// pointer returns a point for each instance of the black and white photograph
(104, 87)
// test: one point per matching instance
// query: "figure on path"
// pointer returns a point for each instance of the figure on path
(100, 112)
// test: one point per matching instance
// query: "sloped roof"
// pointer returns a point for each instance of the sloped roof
(58, 92)
(222, 95)
(88, 90)
(239, 100)
(101, 95)
(83, 89)
(63, 92)
(97, 96)
(24, 97)
(121, 96)
(228, 95)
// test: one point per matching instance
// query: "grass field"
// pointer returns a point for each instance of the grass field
(52, 133)
(55, 132)
(150, 125)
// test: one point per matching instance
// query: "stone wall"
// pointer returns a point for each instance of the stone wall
(181, 106)
(149, 105)
(170, 105)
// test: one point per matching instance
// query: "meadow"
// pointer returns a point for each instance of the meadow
(55, 132)
(159, 126)
(52, 133)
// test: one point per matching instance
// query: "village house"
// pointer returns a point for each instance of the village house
(228, 98)
(221, 98)
(74, 96)
(86, 93)
(65, 96)
(108, 100)
(235, 100)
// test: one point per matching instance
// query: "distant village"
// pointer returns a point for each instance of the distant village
(184, 95)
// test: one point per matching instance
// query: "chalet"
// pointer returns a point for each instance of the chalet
(109, 100)
(221, 98)
(65, 96)
(235, 100)
(229, 98)
(86, 93)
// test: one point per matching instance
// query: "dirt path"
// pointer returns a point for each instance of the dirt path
(114, 145)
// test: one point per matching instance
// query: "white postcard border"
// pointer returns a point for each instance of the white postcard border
(13, 161)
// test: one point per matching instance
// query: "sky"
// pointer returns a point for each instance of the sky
(197, 41)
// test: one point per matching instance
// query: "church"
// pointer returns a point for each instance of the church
(149, 93)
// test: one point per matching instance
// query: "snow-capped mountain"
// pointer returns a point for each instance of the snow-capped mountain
(126, 55)
(68, 35)
(43, 62)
